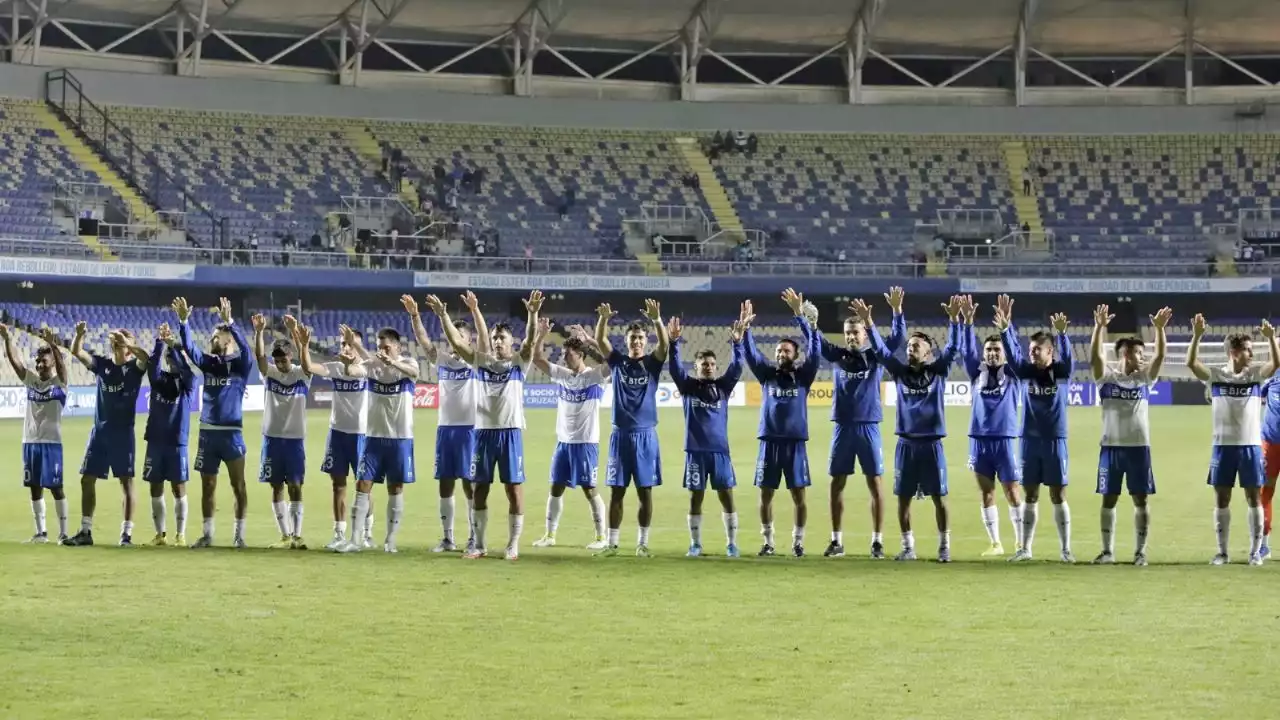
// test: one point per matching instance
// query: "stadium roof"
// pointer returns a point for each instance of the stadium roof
(959, 27)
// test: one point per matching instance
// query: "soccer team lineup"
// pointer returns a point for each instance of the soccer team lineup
(1017, 430)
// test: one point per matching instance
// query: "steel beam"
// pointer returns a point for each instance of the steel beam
(530, 33)
(1132, 73)
(975, 65)
(1189, 51)
(1021, 44)
(1252, 75)
(134, 33)
(858, 44)
(1068, 68)
(367, 38)
(695, 41)
(638, 57)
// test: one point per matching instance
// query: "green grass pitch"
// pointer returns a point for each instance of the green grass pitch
(162, 633)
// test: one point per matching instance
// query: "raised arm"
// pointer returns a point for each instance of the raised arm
(942, 363)
(77, 346)
(1065, 357)
(808, 370)
(539, 354)
(1101, 316)
(350, 337)
(419, 330)
(970, 349)
(533, 305)
(59, 364)
(141, 358)
(461, 347)
(760, 367)
(733, 373)
(1159, 321)
(1003, 320)
(604, 314)
(302, 338)
(260, 342)
(1193, 350)
(898, 326)
(11, 352)
(183, 311)
(477, 319)
(403, 364)
(675, 363)
(153, 367)
(1273, 363)
(653, 311)
(878, 348)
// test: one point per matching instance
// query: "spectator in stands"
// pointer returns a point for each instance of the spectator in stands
(841, 256)
(567, 200)
(1026, 228)
(528, 257)
(919, 261)
(740, 141)
(455, 175)
(753, 144)
(1211, 263)
(451, 202)
(717, 141)
(1026, 180)
(253, 241)
(468, 180)
(481, 245)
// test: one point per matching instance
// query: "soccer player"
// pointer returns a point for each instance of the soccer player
(42, 428)
(110, 448)
(920, 468)
(284, 429)
(455, 425)
(348, 420)
(168, 419)
(500, 374)
(994, 427)
(634, 455)
(856, 412)
(388, 449)
(706, 433)
(226, 368)
(1125, 457)
(784, 419)
(1234, 391)
(1270, 455)
(576, 457)
(1044, 424)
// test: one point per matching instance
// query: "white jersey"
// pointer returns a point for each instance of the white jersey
(350, 404)
(578, 406)
(42, 422)
(285, 405)
(1237, 405)
(1124, 408)
(457, 393)
(500, 393)
(390, 400)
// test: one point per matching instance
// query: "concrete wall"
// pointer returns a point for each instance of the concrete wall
(282, 98)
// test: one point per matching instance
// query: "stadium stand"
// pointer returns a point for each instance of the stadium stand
(31, 161)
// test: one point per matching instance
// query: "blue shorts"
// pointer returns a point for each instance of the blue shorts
(1044, 461)
(779, 459)
(455, 449)
(708, 468)
(919, 468)
(42, 465)
(386, 460)
(498, 453)
(858, 442)
(995, 458)
(634, 455)
(1228, 461)
(1128, 467)
(165, 463)
(284, 460)
(217, 447)
(574, 464)
(342, 451)
(108, 452)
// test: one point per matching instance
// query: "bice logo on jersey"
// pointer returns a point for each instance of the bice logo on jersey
(1115, 392)
(1038, 389)
(857, 374)
(909, 390)
(635, 380)
(791, 392)
(387, 388)
(212, 381)
(700, 404)
(340, 385)
(1227, 390)
(459, 374)
(113, 388)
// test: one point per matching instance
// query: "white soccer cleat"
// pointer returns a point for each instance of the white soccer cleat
(995, 550)
(238, 543)
(1105, 558)
(1068, 558)
(37, 539)
(906, 554)
(1022, 555)
(367, 543)
(1221, 559)
(475, 553)
(337, 542)
(512, 553)
(349, 547)
(1140, 559)
(545, 541)
(643, 551)
(445, 545)
(1255, 559)
(599, 544)
(204, 542)
(389, 547)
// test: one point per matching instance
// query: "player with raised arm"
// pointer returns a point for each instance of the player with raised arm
(111, 442)
(994, 427)
(173, 386)
(347, 419)
(707, 462)
(920, 467)
(576, 458)
(784, 419)
(1044, 423)
(1125, 458)
(1270, 455)
(455, 423)
(284, 429)
(46, 388)
(388, 448)
(856, 412)
(500, 373)
(226, 369)
(634, 452)
(1235, 393)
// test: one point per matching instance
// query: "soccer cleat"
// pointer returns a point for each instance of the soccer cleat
(545, 541)
(298, 544)
(1105, 558)
(512, 553)
(608, 552)
(797, 550)
(368, 542)
(349, 547)
(1255, 559)
(238, 543)
(694, 551)
(877, 550)
(474, 553)
(471, 545)
(643, 551)
(37, 539)
(336, 542)
(447, 545)
(996, 550)
(766, 551)
(84, 538)
(1140, 559)
(906, 554)
(62, 539)
(159, 540)
(1220, 559)
(283, 543)
(126, 540)
(834, 549)
(1068, 558)
(204, 542)
(1264, 552)
(389, 547)
(599, 544)
(180, 540)
(944, 554)
(1022, 555)
(732, 551)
